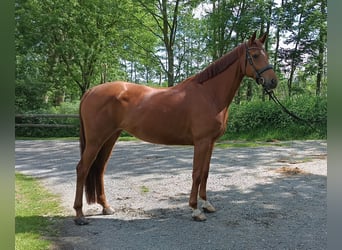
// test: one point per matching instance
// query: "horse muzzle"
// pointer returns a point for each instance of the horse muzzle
(267, 84)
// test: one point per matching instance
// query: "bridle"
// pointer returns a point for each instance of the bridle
(258, 73)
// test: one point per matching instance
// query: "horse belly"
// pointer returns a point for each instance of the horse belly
(160, 129)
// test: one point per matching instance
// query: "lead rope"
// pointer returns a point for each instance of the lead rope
(293, 115)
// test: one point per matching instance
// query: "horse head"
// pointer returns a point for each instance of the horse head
(256, 63)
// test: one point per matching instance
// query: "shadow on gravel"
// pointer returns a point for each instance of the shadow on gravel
(288, 213)
(50, 159)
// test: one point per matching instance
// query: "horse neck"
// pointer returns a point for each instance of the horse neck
(224, 86)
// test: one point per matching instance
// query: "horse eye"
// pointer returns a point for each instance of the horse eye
(255, 56)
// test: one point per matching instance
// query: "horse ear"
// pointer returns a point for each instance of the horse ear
(251, 40)
(262, 39)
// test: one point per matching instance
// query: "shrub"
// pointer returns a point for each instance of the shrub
(266, 120)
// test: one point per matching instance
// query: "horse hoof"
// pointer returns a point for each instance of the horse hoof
(208, 208)
(197, 215)
(108, 211)
(81, 221)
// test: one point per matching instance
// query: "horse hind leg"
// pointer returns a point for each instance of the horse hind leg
(82, 171)
(101, 163)
(90, 170)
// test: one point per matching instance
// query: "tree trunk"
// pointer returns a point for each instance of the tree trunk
(237, 97)
(277, 34)
(103, 74)
(169, 35)
(320, 54)
(249, 93)
(295, 55)
(170, 69)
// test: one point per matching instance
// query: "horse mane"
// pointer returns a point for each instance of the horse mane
(218, 66)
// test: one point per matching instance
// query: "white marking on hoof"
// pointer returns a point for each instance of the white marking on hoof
(208, 208)
(197, 215)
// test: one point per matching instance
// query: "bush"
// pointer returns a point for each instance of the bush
(267, 121)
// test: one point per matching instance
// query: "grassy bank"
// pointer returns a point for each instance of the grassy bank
(37, 213)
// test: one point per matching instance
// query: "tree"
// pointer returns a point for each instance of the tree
(139, 53)
(165, 15)
(305, 29)
(321, 45)
(190, 47)
(73, 39)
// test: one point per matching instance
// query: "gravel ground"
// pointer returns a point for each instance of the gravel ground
(267, 197)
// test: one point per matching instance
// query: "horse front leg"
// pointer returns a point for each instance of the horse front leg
(206, 206)
(201, 163)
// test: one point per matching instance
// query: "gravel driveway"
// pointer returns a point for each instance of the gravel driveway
(267, 197)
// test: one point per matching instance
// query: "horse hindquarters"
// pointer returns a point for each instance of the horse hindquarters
(96, 146)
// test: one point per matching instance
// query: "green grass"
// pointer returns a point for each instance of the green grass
(249, 144)
(275, 134)
(128, 138)
(37, 213)
(144, 189)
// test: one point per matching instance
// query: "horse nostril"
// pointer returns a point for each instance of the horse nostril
(274, 82)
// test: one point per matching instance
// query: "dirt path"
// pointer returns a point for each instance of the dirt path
(270, 197)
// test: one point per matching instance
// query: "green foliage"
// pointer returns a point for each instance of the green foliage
(29, 96)
(266, 120)
(72, 45)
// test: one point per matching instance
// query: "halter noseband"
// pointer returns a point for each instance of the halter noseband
(259, 79)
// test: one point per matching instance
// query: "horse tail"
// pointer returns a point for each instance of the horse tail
(94, 180)
(91, 182)
(82, 137)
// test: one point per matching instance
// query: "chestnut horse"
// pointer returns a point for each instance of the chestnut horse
(194, 112)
